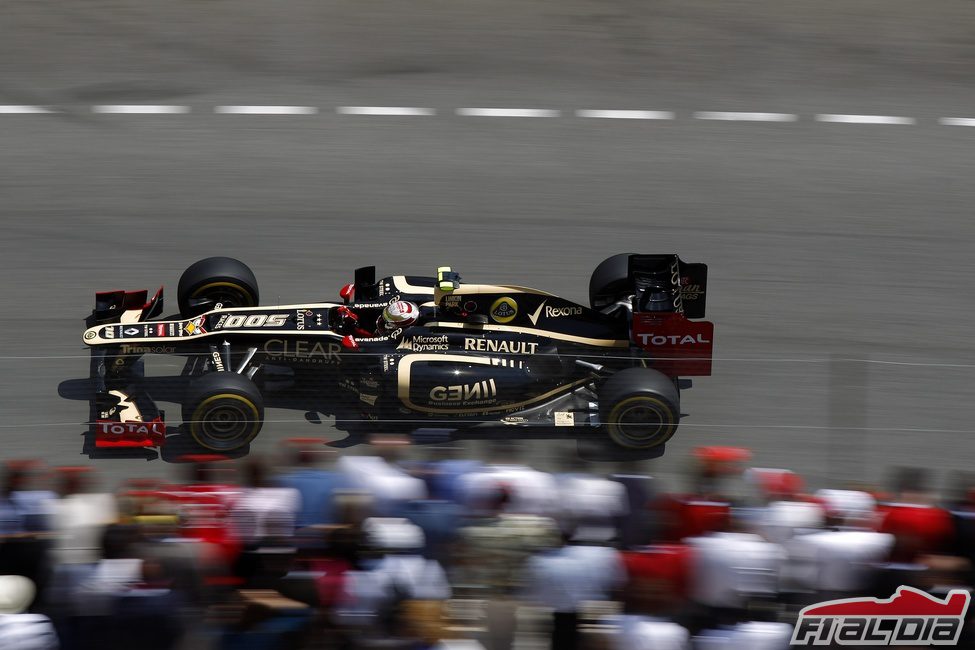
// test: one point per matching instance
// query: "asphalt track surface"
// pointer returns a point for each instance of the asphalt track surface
(840, 254)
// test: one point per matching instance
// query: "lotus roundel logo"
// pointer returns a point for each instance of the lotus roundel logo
(909, 617)
(504, 310)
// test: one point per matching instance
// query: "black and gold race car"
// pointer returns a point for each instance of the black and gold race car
(482, 359)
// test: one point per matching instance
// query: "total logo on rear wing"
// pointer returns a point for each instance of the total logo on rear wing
(680, 347)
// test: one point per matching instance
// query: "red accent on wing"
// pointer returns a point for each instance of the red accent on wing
(680, 347)
(906, 601)
(347, 293)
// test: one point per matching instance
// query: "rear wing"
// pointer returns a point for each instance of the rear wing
(669, 294)
(686, 282)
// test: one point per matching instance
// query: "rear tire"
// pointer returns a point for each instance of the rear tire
(222, 280)
(639, 408)
(610, 281)
(223, 411)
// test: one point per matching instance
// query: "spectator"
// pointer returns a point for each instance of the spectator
(562, 579)
(314, 484)
(80, 517)
(20, 631)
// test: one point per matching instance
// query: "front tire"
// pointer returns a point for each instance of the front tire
(216, 280)
(639, 408)
(223, 411)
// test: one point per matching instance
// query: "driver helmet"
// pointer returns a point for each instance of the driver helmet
(397, 315)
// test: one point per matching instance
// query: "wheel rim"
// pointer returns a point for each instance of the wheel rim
(225, 422)
(226, 293)
(641, 422)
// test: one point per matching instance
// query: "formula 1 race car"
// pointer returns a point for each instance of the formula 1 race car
(477, 359)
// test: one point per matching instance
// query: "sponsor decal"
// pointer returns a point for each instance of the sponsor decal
(161, 329)
(172, 329)
(675, 282)
(909, 617)
(237, 321)
(223, 319)
(148, 349)
(147, 331)
(420, 343)
(565, 419)
(560, 312)
(690, 291)
(672, 339)
(553, 312)
(217, 361)
(491, 345)
(481, 392)
(109, 332)
(156, 427)
(195, 326)
(507, 363)
(89, 335)
(533, 317)
(300, 316)
(370, 383)
(132, 331)
(504, 310)
(513, 419)
(303, 351)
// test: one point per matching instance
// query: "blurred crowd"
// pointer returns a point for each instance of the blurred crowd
(318, 550)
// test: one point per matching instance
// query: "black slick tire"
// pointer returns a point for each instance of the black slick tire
(223, 411)
(222, 280)
(639, 408)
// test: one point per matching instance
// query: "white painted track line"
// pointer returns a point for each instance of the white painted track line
(957, 121)
(507, 112)
(745, 117)
(140, 109)
(265, 110)
(865, 119)
(627, 115)
(385, 110)
(14, 109)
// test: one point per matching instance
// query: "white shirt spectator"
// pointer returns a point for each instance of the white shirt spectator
(389, 486)
(591, 498)
(265, 512)
(530, 491)
(754, 635)
(729, 568)
(781, 520)
(79, 520)
(562, 579)
(108, 579)
(19, 631)
(853, 506)
(413, 577)
(27, 632)
(650, 633)
(836, 560)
